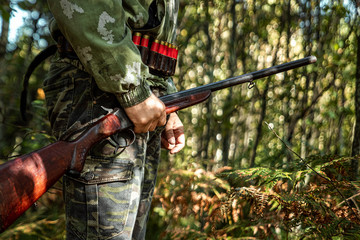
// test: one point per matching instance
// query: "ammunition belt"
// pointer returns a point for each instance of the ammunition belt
(159, 56)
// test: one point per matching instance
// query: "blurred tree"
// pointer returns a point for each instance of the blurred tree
(356, 141)
(16, 56)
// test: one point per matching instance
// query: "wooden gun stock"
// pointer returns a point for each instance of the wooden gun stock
(25, 179)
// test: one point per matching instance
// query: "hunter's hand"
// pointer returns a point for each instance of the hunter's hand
(173, 137)
(147, 115)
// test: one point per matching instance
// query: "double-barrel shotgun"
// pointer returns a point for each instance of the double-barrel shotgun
(25, 179)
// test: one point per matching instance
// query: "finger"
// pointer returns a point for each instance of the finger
(170, 136)
(165, 140)
(152, 125)
(180, 144)
(137, 129)
(142, 127)
(164, 143)
(162, 119)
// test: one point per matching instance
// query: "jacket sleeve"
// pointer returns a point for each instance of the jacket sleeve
(101, 38)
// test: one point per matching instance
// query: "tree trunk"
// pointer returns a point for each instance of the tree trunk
(4, 39)
(3, 43)
(207, 132)
(232, 62)
(356, 140)
(259, 126)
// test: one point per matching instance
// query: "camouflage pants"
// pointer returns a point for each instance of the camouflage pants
(111, 197)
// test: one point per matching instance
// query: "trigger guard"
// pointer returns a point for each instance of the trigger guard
(127, 135)
(131, 139)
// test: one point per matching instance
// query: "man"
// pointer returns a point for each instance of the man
(99, 69)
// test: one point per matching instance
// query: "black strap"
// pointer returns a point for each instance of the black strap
(44, 54)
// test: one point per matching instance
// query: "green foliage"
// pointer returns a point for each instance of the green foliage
(262, 203)
(44, 221)
(187, 201)
(12, 127)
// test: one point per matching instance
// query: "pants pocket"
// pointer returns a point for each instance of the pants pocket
(102, 207)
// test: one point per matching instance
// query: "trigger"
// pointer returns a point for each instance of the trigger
(122, 140)
(125, 138)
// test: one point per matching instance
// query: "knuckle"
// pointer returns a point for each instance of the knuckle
(142, 122)
(159, 114)
(161, 106)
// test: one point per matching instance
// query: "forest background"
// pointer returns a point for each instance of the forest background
(278, 161)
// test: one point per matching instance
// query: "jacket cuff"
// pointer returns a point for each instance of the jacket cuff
(134, 96)
(171, 88)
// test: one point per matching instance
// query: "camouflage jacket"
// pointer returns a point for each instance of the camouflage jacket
(100, 33)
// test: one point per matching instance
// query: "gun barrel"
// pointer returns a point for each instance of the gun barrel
(249, 77)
